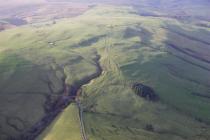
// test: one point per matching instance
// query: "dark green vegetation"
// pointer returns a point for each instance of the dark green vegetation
(144, 91)
(39, 65)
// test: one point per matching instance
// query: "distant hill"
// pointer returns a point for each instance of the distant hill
(19, 2)
(173, 8)
(151, 2)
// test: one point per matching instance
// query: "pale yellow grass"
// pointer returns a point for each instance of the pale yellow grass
(65, 127)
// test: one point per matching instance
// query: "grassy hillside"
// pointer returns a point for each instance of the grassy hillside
(168, 56)
(139, 49)
(184, 9)
(35, 64)
(65, 127)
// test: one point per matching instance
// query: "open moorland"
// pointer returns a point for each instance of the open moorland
(80, 72)
(44, 13)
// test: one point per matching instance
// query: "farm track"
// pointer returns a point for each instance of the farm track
(82, 126)
(96, 75)
(113, 66)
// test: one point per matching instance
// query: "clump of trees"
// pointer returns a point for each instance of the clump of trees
(144, 91)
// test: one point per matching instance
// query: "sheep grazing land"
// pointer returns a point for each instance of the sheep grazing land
(104, 70)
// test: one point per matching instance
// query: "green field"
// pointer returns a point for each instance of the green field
(170, 56)
(65, 127)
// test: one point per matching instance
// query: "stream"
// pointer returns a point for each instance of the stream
(69, 96)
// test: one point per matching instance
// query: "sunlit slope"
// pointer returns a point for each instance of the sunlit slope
(169, 56)
(65, 127)
(158, 52)
(35, 65)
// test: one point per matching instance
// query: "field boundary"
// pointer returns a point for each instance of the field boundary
(82, 127)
